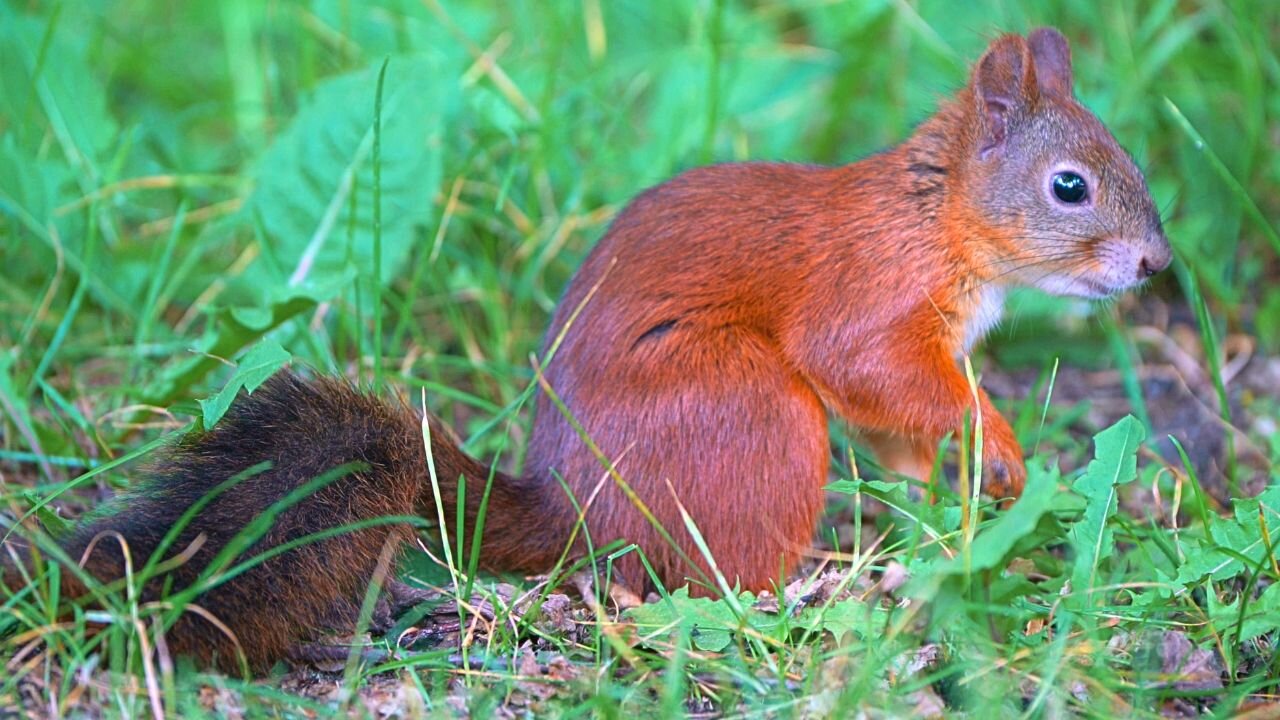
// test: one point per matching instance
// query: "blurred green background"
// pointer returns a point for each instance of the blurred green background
(180, 179)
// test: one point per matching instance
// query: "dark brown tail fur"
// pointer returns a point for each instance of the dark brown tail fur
(300, 430)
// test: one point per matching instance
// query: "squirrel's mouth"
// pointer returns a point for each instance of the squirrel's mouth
(1080, 286)
(1112, 266)
(1098, 290)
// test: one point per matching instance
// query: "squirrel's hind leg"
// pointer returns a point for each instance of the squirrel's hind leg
(715, 423)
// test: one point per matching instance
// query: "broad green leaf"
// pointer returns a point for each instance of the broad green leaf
(29, 187)
(55, 131)
(260, 363)
(1115, 463)
(306, 180)
(66, 103)
(1028, 523)
(994, 542)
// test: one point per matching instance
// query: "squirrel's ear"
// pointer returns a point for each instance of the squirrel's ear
(1003, 82)
(1052, 56)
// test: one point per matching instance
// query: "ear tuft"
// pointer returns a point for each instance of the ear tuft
(1052, 56)
(1003, 82)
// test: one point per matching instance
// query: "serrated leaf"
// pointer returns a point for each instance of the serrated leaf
(708, 622)
(1115, 463)
(712, 624)
(1219, 556)
(232, 329)
(56, 525)
(260, 363)
(1262, 615)
(931, 518)
(306, 179)
(849, 487)
(842, 617)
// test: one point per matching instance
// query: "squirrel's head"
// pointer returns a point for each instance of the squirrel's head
(1069, 210)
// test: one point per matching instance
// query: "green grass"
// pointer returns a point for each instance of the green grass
(180, 183)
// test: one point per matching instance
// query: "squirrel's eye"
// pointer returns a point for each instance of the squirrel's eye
(1070, 188)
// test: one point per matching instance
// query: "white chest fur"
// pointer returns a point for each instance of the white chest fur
(985, 315)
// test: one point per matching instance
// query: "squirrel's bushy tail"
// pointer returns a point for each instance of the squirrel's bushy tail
(313, 456)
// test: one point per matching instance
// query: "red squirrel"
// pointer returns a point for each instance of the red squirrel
(698, 350)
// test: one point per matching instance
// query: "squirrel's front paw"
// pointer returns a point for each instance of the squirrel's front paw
(1005, 478)
(1005, 473)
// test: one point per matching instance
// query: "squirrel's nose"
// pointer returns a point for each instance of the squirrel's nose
(1154, 259)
